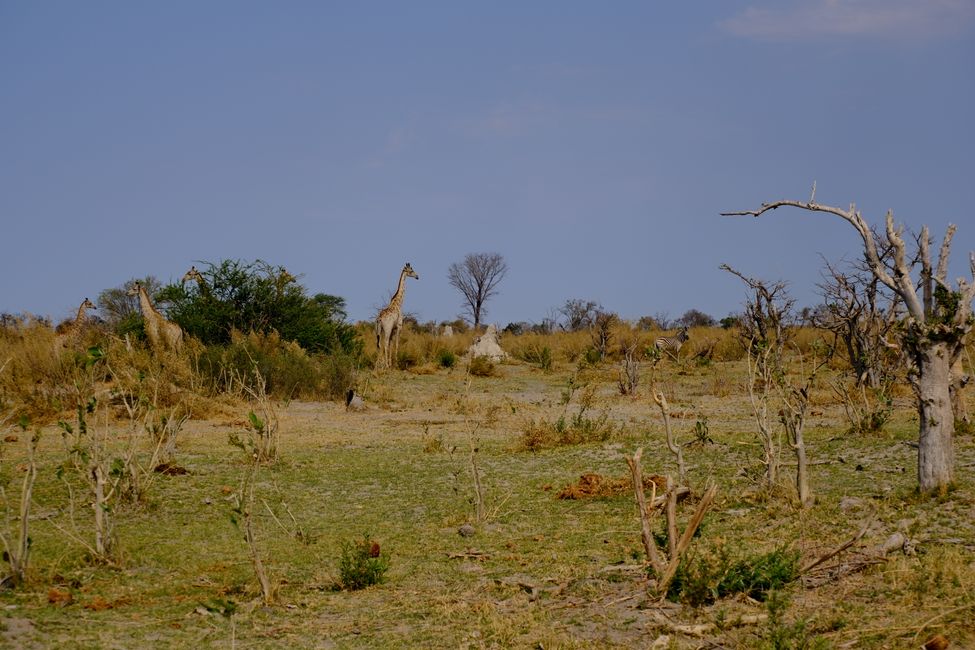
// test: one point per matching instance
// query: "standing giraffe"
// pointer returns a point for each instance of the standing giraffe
(390, 320)
(66, 332)
(162, 333)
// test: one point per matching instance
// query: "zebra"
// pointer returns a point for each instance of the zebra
(671, 344)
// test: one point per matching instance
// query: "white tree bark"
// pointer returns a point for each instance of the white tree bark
(936, 457)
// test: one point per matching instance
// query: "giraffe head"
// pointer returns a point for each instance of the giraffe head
(192, 274)
(87, 304)
(408, 271)
(135, 288)
(284, 277)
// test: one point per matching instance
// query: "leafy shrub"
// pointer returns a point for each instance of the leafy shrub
(446, 358)
(362, 564)
(702, 578)
(256, 296)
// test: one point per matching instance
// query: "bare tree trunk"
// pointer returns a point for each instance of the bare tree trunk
(760, 372)
(676, 449)
(802, 471)
(936, 457)
(103, 528)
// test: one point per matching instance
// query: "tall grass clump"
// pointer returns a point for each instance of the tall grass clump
(290, 371)
(481, 367)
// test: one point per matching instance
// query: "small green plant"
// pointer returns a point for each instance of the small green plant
(362, 564)
(702, 434)
(446, 358)
(591, 358)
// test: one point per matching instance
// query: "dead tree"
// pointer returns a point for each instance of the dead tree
(862, 314)
(761, 381)
(768, 311)
(665, 562)
(932, 333)
(601, 331)
(795, 401)
(764, 323)
(477, 279)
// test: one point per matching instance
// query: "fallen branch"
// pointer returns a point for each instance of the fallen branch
(469, 554)
(856, 538)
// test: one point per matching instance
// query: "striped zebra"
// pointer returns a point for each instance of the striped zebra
(671, 344)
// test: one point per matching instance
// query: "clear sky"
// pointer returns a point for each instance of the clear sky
(592, 144)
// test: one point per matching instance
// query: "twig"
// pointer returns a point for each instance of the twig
(812, 565)
(935, 618)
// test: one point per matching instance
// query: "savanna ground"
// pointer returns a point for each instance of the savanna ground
(539, 572)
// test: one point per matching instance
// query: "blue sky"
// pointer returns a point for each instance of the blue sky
(591, 144)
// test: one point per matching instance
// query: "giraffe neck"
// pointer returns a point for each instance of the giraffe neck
(147, 309)
(81, 315)
(396, 302)
(204, 288)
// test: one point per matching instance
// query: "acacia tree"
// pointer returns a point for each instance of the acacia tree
(477, 279)
(932, 333)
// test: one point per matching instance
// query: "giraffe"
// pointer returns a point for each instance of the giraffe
(162, 333)
(194, 274)
(66, 332)
(282, 281)
(390, 320)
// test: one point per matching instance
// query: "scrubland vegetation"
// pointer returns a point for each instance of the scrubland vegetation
(223, 496)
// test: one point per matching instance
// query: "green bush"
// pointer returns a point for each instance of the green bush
(703, 578)
(446, 359)
(258, 297)
(362, 564)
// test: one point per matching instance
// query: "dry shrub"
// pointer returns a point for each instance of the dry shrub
(531, 348)
(41, 383)
(575, 429)
(289, 370)
(481, 367)
(36, 382)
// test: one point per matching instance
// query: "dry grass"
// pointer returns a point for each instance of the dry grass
(539, 572)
